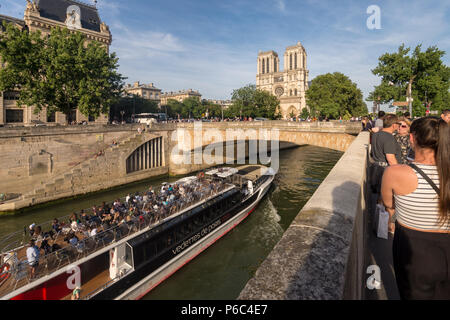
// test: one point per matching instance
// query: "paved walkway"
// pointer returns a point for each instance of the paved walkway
(379, 252)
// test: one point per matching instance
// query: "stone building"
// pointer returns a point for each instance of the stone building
(225, 104)
(179, 96)
(289, 84)
(43, 15)
(146, 91)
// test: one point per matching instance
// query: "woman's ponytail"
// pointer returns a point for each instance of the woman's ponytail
(443, 166)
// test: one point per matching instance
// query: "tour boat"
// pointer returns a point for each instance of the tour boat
(127, 261)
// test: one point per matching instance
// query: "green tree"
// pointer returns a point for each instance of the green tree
(194, 107)
(251, 102)
(175, 109)
(423, 73)
(334, 95)
(62, 72)
(305, 113)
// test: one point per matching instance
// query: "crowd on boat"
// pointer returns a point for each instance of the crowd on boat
(124, 217)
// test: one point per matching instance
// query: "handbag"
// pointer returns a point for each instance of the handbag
(383, 222)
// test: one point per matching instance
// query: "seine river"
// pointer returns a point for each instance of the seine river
(221, 271)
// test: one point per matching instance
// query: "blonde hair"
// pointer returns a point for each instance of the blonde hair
(406, 120)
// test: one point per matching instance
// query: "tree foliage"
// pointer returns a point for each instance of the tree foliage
(62, 72)
(335, 95)
(251, 102)
(429, 76)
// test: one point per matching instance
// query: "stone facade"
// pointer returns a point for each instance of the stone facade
(43, 15)
(146, 91)
(289, 85)
(179, 96)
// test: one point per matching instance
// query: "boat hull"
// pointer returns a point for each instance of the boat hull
(150, 282)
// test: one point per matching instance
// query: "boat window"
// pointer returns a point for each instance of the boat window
(161, 245)
(150, 250)
(129, 255)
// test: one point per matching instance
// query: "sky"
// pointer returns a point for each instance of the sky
(212, 46)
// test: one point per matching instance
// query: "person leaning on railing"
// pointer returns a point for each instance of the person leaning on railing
(419, 194)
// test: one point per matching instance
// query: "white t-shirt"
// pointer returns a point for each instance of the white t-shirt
(32, 255)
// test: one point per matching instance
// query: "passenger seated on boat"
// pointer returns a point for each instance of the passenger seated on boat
(74, 226)
(71, 239)
(74, 217)
(46, 247)
(92, 230)
(85, 218)
(56, 226)
(37, 236)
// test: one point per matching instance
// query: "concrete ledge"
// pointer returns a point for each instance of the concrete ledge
(320, 256)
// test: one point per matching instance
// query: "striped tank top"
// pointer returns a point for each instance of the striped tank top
(420, 209)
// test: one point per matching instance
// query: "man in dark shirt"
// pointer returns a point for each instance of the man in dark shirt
(385, 150)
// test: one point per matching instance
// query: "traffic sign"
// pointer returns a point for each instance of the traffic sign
(400, 104)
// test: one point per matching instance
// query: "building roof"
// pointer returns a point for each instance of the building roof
(10, 20)
(57, 10)
(138, 85)
(181, 92)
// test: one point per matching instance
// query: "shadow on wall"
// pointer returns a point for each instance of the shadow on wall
(323, 249)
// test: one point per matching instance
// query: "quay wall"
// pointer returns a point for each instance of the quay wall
(321, 255)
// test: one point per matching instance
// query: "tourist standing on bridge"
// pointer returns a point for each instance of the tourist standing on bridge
(379, 122)
(385, 151)
(402, 137)
(419, 194)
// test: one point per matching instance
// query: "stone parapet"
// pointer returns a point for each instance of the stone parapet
(321, 255)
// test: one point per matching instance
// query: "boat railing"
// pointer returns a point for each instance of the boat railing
(106, 285)
(69, 255)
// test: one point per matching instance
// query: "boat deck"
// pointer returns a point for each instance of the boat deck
(19, 275)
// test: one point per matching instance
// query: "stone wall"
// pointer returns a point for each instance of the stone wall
(45, 164)
(321, 255)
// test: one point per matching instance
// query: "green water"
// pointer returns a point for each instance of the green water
(221, 271)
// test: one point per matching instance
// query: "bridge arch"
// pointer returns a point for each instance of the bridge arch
(148, 155)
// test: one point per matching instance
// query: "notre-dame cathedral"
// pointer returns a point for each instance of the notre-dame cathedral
(290, 84)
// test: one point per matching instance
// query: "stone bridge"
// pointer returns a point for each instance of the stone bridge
(44, 164)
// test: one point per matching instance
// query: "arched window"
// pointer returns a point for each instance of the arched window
(275, 65)
(263, 65)
(295, 92)
(295, 67)
(290, 61)
(267, 65)
(290, 93)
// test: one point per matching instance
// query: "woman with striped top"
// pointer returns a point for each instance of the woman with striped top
(420, 197)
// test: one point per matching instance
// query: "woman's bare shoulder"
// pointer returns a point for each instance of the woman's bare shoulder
(402, 178)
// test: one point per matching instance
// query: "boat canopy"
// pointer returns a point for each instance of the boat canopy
(223, 172)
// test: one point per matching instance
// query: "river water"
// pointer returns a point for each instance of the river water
(221, 271)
